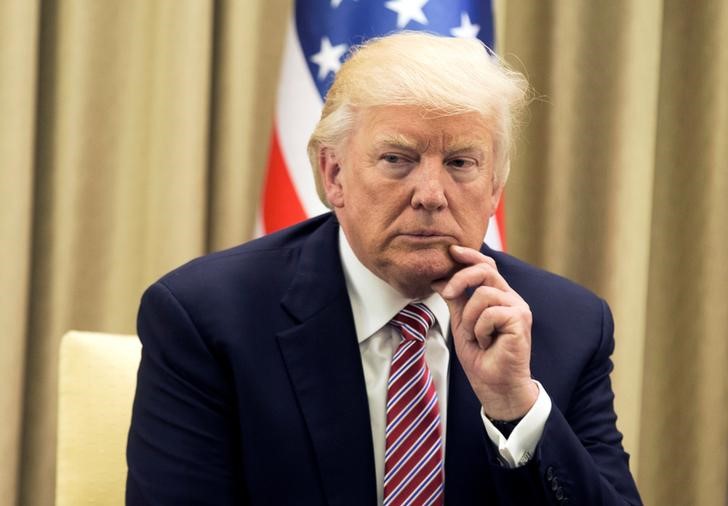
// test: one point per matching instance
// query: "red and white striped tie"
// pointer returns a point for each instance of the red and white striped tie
(413, 470)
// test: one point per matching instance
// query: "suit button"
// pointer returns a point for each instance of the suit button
(549, 473)
(555, 484)
(559, 494)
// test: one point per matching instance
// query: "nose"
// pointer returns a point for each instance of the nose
(429, 185)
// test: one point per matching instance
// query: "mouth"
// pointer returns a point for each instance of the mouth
(427, 236)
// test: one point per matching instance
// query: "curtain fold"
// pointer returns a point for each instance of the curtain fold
(248, 45)
(134, 136)
(686, 379)
(19, 28)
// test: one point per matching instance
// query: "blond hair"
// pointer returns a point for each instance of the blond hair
(441, 75)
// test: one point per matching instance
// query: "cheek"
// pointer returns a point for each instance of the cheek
(473, 214)
(377, 197)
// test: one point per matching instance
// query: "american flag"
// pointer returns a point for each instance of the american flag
(319, 35)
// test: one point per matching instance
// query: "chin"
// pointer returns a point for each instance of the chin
(416, 276)
(433, 270)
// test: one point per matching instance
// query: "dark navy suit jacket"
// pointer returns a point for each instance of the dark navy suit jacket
(251, 389)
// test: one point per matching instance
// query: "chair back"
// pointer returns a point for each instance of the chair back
(97, 379)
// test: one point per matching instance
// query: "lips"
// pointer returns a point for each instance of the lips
(427, 236)
(426, 233)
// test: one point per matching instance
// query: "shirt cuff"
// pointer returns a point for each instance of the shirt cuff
(518, 448)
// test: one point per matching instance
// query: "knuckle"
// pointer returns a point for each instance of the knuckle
(486, 267)
(482, 291)
(486, 314)
(526, 313)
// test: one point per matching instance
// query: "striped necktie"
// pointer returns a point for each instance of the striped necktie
(413, 463)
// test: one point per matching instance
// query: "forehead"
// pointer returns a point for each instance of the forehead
(417, 128)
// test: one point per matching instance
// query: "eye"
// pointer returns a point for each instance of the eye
(462, 163)
(394, 159)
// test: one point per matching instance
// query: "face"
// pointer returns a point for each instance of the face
(406, 186)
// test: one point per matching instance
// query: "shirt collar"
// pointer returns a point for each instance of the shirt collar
(374, 302)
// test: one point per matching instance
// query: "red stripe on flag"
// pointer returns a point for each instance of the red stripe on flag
(500, 219)
(281, 206)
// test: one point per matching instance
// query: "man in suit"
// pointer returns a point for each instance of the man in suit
(381, 354)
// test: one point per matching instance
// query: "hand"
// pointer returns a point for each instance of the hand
(492, 333)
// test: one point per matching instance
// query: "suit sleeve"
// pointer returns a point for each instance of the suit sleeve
(579, 459)
(182, 446)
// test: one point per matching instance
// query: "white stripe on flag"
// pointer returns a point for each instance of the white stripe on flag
(297, 112)
(493, 235)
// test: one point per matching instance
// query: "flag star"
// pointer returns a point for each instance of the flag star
(335, 3)
(328, 58)
(466, 30)
(408, 10)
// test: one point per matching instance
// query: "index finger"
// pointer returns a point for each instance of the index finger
(470, 256)
(480, 270)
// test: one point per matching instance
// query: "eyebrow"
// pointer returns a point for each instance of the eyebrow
(467, 146)
(398, 141)
(459, 146)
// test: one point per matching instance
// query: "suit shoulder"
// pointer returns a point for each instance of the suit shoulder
(259, 260)
(539, 286)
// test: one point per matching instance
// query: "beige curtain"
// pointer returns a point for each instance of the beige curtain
(133, 136)
(620, 183)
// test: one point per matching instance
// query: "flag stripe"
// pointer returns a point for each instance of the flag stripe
(500, 222)
(298, 108)
(281, 205)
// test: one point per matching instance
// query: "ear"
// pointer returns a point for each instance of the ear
(330, 172)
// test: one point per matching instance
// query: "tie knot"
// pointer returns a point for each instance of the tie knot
(414, 321)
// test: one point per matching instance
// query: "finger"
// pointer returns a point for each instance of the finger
(469, 256)
(485, 325)
(497, 320)
(463, 255)
(439, 285)
(484, 341)
(482, 298)
(474, 276)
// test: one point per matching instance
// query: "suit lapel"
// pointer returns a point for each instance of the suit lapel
(324, 364)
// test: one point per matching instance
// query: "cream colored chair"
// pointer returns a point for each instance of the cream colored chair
(97, 378)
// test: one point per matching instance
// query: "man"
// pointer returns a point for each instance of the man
(382, 354)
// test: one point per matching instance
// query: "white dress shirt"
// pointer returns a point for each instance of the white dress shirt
(374, 303)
